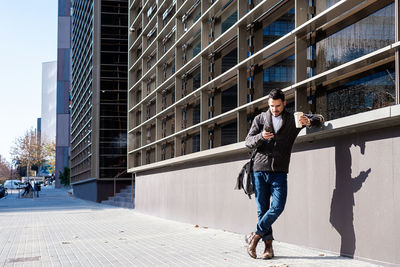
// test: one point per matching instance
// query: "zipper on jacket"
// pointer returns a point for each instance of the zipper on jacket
(273, 158)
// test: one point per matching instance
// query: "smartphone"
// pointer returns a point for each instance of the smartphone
(268, 129)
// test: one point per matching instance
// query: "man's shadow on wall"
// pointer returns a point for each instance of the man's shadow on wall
(342, 204)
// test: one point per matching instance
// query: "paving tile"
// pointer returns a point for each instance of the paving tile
(67, 231)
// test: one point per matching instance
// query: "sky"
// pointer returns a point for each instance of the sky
(28, 37)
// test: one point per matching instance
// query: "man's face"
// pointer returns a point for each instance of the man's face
(276, 106)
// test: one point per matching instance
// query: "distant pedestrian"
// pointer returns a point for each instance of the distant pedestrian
(28, 188)
(272, 133)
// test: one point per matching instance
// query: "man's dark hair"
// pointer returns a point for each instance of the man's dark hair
(276, 94)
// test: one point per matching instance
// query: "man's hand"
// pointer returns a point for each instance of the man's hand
(267, 135)
(304, 121)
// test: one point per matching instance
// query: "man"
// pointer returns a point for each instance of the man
(28, 188)
(272, 133)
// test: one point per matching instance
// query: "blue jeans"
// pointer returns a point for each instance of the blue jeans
(267, 185)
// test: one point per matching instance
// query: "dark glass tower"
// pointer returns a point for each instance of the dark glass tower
(99, 98)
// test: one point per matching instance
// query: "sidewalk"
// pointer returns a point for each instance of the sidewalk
(59, 230)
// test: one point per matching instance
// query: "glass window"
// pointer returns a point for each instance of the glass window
(196, 114)
(371, 92)
(229, 99)
(113, 161)
(361, 38)
(278, 28)
(196, 143)
(114, 172)
(226, 24)
(229, 60)
(196, 49)
(113, 135)
(197, 16)
(279, 75)
(196, 81)
(113, 122)
(229, 133)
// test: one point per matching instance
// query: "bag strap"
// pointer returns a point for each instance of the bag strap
(253, 154)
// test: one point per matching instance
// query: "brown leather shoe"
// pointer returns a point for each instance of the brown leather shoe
(268, 251)
(252, 239)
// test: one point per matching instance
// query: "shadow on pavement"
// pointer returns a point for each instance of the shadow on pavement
(308, 257)
(49, 200)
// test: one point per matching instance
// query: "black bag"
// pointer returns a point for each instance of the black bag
(245, 178)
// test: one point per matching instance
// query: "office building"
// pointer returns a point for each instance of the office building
(99, 98)
(49, 94)
(200, 71)
(63, 88)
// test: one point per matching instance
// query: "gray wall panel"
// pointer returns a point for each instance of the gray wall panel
(62, 136)
(334, 203)
(396, 196)
(200, 195)
(64, 26)
(86, 191)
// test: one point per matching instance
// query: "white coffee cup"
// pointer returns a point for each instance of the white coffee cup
(297, 116)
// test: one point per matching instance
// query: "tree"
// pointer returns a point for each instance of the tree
(28, 151)
(5, 171)
(65, 177)
(50, 152)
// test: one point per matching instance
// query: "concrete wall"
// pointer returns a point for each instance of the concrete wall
(343, 195)
(86, 190)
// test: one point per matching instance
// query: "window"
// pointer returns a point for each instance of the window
(361, 38)
(374, 91)
(226, 24)
(279, 75)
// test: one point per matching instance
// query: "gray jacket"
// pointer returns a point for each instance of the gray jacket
(274, 155)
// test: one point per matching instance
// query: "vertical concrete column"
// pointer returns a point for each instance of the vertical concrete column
(242, 99)
(143, 151)
(203, 129)
(258, 74)
(178, 87)
(178, 118)
(205, 26)
(131, 120)
(158, 152)
(159, 76)
(130, 161)
(301, 10)
(178, 146)
(204, 35)
(242, 8)
(242, 75)
(205, 5)
(158, 129)
(178, 48)
(142, 140)
(203, 103)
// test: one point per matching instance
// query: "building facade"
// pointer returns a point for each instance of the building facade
(63, 88)
(200, 71)
(99, 98)
(49, 94)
